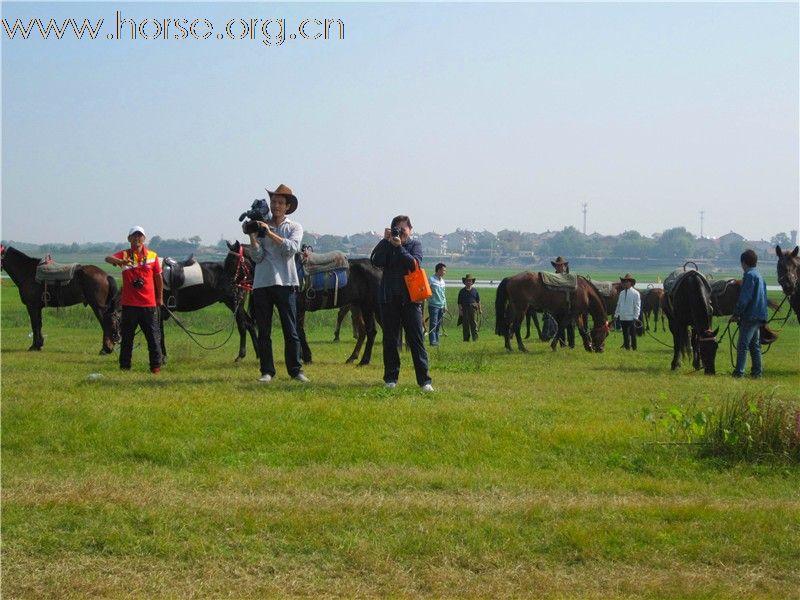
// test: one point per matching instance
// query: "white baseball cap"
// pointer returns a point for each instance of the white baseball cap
(136, 229)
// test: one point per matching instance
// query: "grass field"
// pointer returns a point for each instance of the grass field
(522, 475)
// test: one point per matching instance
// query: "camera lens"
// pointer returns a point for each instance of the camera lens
(395, 232)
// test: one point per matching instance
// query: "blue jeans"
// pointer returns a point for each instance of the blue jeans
(749, 340)
(436, 313)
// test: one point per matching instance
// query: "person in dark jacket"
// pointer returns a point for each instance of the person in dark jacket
(566, 335)
(469, 307)
(397, 254)
(750, 312)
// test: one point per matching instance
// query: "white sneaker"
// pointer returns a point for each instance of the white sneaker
(301, 378)
(266, 378)
(390, 385)
(427, 387)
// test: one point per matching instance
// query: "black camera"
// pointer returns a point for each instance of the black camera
(259, 211)
(396, 232)
(138, 283)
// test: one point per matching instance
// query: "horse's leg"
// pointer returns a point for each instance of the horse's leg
(695, 350)
(108, 343)
(528, 323)
(370, 330)
(360, 337)
(536, 324)
(35, 314)
(305, 350)
(339, 319)
(516, 325)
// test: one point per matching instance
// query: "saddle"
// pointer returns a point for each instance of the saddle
(674, 280)
(565, 282)
(52, 273)
(720, 286)
(183, 274)
(325, 271)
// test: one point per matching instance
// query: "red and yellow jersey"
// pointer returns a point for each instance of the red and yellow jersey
(142, 266)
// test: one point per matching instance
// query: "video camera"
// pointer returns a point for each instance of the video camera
(259, 211)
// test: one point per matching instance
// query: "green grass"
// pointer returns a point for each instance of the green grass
(523, 475)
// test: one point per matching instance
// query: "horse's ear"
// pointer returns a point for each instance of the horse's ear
(234, 247)
(795, 251)
(778, 251)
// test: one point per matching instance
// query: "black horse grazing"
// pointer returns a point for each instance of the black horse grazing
(90, 285)
(688, 304)
(789, 276)
(217, 286)
(361, 294)
(515, 295)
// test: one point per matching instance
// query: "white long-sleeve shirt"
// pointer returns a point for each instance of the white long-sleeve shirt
(629, 305)
(275, 262)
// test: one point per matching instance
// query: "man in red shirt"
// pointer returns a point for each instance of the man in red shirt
(142, 294)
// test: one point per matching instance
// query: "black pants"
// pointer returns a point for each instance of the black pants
(408, 315)
(147, 319)
(628, 334)
(282, 297)
(569, 339)
(469, 321)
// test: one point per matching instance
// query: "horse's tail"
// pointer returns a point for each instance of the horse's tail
(112, 297)
(501, 299)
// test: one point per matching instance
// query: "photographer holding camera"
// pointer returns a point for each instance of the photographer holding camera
(397, 254)
(142, 294)
(273, 244)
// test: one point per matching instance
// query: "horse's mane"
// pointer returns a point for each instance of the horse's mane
(596, 291)
(21, 255)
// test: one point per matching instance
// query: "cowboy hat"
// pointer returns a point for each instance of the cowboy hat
(628, 277)
(559, 261)
(468, 277)
(286, 192)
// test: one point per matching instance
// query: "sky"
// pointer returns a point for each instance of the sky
(473, 116)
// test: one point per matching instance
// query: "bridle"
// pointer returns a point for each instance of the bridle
(243, 276)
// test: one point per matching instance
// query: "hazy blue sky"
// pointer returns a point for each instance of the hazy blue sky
(477, 116)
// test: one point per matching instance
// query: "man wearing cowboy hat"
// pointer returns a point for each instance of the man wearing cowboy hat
(469, 307)
(567, 334)
(275, 282)
(629, 307)
(142, 294)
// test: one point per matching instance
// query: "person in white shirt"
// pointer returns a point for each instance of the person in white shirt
(629, 306)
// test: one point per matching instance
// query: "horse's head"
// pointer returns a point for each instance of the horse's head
(788, 269)
(599, 333)
(707, 347)
(238, 267)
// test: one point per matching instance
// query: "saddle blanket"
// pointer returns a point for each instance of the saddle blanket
(560, 281)
(325, 261)
(673, 281)
(604, 288)
(192, 275)
(328, 280)
(53, 272)
(719, 286)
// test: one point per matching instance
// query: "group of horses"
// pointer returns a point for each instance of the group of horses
(689, 309)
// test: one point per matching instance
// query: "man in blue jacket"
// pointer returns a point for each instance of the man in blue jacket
(398, 254)
(750, 312)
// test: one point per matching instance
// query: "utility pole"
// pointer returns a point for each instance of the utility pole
(702, 214)
(584, 217)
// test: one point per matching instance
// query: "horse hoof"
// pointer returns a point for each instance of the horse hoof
(362, 364)
(350, 361)
(237, 359)
(35, 349)
(105, 351)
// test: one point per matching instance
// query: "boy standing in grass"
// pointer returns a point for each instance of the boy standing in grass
(437, 303)
(750, 312)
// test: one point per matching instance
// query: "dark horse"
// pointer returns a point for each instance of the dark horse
(217, 286)
(361, 293)
(651, 304)
(90, 285)
(515, 295)
(789, 276)
(688, 304)
(725, 295)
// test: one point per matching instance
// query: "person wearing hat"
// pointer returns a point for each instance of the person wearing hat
(398, 254)
(142, 294)
(469, 307)
(629, 307)
(567, 334)
(275, 282)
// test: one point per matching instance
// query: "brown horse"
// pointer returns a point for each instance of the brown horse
(789, 276)
(689, 305)
(90, 285)
(724, 297)
(515, 295)
(651, 304)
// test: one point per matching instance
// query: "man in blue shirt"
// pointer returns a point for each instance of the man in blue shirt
(437, 303)
(750, 312)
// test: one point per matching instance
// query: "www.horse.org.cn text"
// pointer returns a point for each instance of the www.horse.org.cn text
(270, 32)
